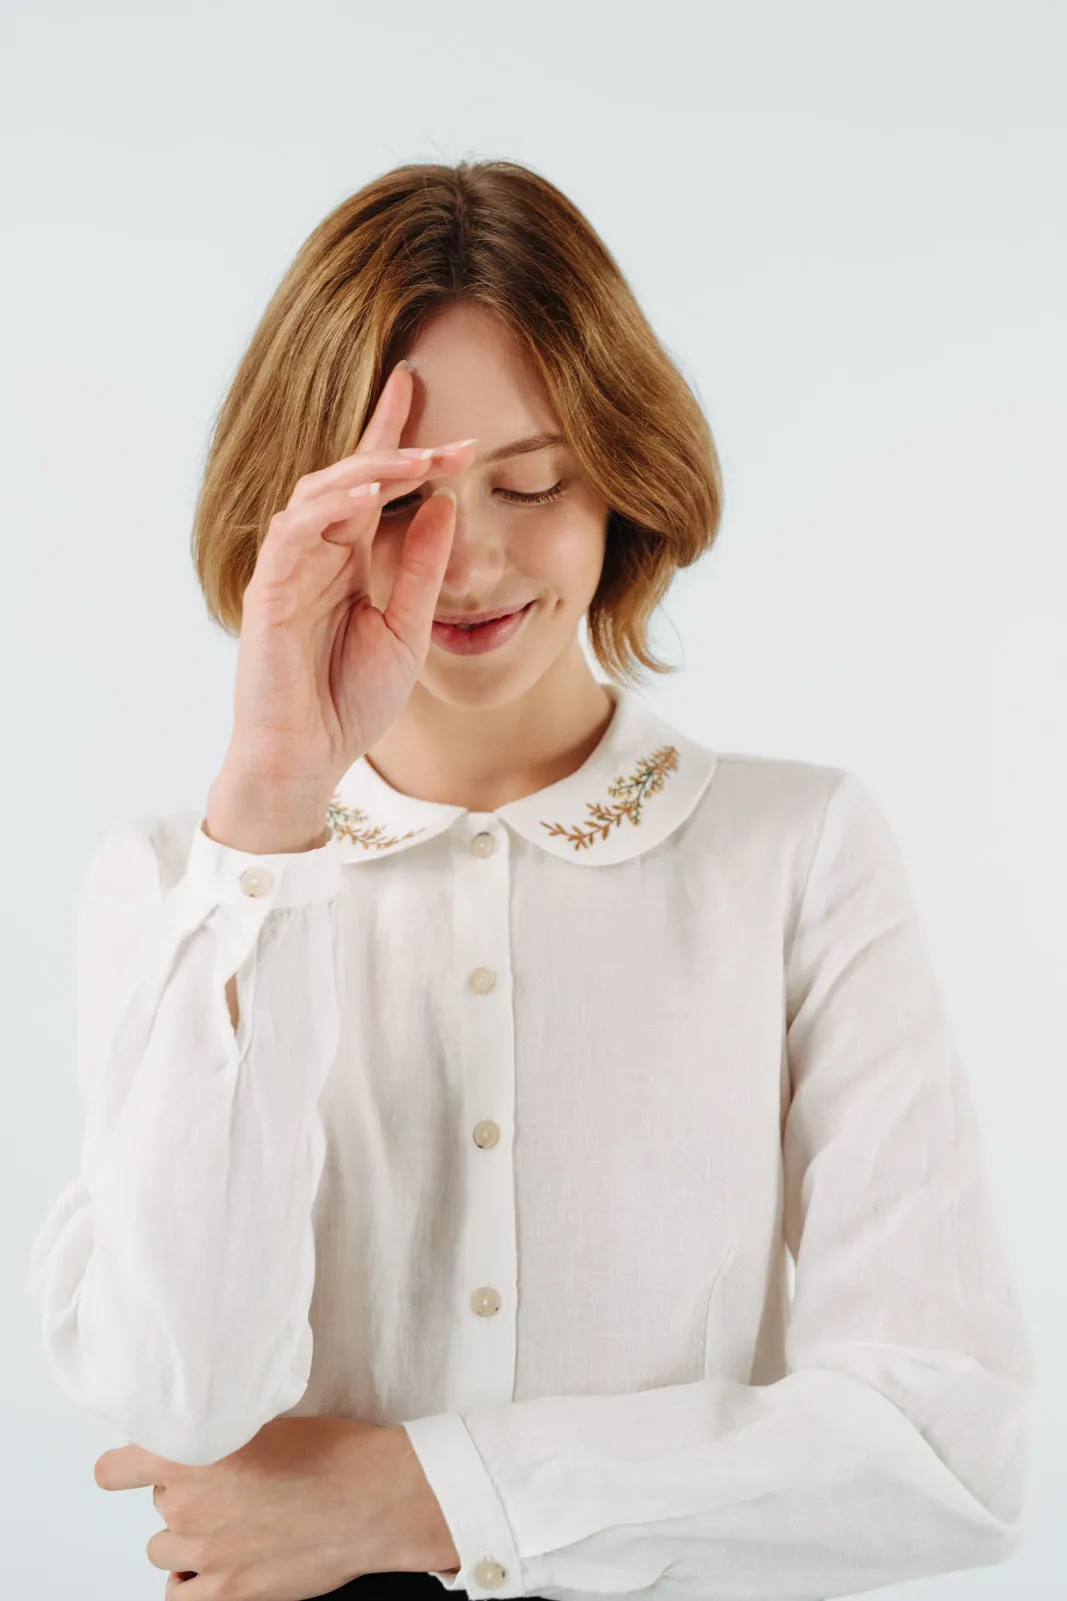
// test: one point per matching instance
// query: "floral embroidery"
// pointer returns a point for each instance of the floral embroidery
(647, 780)
(346, 820)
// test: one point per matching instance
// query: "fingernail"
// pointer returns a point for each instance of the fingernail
(406, 363)
(456, 444)
(451, 493)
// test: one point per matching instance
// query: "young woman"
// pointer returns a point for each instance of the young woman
(526, 1152)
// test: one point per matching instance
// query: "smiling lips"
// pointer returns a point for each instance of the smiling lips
(481, 637)
(472, 619)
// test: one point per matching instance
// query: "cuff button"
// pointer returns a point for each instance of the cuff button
(256, 881)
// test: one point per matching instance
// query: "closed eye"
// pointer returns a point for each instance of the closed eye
(539, 499)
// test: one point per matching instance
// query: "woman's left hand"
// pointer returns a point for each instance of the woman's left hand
(306, 1505)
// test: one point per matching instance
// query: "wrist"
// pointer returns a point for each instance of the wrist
(265, 817)
(426, 1544)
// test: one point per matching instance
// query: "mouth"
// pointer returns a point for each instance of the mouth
(475, 619)
(476, 638)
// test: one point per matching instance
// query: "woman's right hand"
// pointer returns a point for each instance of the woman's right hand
(321, 672)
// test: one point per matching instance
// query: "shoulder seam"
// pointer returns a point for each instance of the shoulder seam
(844, 776)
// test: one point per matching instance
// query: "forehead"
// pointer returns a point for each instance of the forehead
(474, 380)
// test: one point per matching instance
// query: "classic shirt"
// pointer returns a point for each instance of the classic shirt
(615, 1142)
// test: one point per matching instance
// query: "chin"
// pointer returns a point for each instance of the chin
(463, 681)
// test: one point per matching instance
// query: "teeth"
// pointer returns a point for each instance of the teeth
(466, 627)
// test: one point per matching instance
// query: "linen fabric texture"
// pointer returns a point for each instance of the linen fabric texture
(616, 1143)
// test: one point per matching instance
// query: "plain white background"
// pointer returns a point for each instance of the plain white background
(846, 223)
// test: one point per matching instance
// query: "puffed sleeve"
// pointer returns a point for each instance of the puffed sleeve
(175, 1273)
(896, 1443)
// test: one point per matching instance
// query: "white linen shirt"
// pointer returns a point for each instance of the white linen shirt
(616, 1143)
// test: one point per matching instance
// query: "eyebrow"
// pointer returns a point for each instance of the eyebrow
(519, 447)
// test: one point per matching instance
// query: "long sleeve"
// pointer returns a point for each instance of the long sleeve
(175, 1272)
(896, 1443)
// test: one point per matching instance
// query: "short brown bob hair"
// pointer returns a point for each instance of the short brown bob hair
(413, 241)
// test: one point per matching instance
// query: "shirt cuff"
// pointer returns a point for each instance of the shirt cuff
(283, 878)
(489, 1558)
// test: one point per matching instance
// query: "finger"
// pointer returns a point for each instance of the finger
(127, 1467)
(423, 559)
(303, 523)
(288, 565)
(387, 420)
(386, 423)
(361, 469)
(451, 457)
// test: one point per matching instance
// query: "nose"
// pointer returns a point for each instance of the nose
(478, 559)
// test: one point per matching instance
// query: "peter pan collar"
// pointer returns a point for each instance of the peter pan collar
(642, 780)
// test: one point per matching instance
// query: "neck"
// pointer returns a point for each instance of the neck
(482, 757)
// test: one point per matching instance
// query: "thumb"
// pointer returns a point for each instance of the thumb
(423, 559)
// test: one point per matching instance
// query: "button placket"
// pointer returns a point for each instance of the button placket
(486, 1265)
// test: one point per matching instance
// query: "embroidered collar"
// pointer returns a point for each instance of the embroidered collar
(642, 780)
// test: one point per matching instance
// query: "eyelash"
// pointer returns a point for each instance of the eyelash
(404, 501)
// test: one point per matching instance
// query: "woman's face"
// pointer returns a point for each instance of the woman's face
(471, 381)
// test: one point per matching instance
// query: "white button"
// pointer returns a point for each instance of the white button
(490, 1575)
(483, 844)
(256, 881)
(482, 980)
(486, 1300)
(486, 1133)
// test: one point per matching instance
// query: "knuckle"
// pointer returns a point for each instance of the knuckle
(177, 1514)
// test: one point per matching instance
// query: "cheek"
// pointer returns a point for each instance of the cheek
(565, 551)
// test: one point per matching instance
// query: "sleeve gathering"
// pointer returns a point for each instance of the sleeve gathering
(175, 1273)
